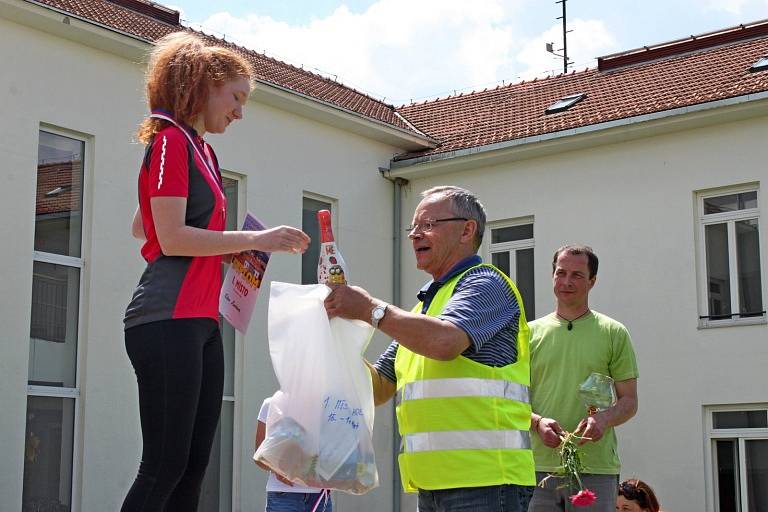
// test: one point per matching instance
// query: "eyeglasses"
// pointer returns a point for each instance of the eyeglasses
(635, 493)
(429, 224)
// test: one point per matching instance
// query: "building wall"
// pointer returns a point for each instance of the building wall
(279, 156)
(634, 204)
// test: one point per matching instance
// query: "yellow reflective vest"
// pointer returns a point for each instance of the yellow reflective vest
(464, 424)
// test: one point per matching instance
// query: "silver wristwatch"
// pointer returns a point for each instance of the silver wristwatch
(378, 313)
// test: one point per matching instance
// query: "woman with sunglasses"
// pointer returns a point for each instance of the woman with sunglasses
(636, 496)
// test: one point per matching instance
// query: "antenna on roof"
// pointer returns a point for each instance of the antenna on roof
(564, 49)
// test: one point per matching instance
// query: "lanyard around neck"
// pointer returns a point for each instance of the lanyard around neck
(205, 158)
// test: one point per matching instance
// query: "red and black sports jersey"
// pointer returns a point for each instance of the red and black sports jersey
(178, 286)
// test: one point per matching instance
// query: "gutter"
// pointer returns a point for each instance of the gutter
(397, 266)
(551, 142)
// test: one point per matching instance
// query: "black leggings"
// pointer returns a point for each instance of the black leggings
(179, 367)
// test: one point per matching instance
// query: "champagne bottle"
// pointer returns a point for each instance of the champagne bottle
(331, 269)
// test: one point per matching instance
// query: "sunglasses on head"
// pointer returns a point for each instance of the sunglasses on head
(634, 493)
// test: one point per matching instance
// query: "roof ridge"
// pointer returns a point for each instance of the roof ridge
(687, 45)
(682, 55)
(299, 69)
(503, 85)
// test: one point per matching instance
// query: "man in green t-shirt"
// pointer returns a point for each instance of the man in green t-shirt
(566, 346)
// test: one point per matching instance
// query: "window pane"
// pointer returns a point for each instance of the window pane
(757, 474)
(740, 419)
(228, 339)
(727, 467)
(216, 494)
(718, 274)
(58, 208)
(48, 454)
(230, 191)
(309, 225)
(53, 330)
(730, 202)
(748, 257)
(501, 261)
(524, 278)
(512, 233)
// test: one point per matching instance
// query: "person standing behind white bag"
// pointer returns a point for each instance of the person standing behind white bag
(282, 494)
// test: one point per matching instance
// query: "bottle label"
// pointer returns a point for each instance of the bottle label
(331, 267)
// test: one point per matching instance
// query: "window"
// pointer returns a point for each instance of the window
(52, 391)
(565, 103)
(760, 65)
(511, 251)
(218, 482)
(729, 255)
(310, 207)
(737, 453)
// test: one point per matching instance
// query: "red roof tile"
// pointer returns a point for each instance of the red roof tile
(518, 110)
(151, 27)
(59, 187)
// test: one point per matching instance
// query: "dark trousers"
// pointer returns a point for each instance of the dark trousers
(496, 498)
(179, 367)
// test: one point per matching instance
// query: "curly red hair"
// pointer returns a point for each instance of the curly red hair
(181, 69)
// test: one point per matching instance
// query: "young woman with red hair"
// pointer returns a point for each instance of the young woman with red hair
(171, 324)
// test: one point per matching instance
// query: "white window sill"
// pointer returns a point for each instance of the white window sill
(705, 323)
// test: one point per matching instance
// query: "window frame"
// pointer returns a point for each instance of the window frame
(238, 364)
(728, 218)
(564, 103)
(511, 248)
(741, 435)
(70, 393)
(334, 207)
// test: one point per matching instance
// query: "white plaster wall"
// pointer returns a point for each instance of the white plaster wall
(87, 92)
(634, 204)
(99, 96)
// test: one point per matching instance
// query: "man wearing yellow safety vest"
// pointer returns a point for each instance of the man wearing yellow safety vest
(460, 366)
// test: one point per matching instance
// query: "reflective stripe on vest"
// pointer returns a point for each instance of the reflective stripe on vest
(467, 440)
(458, 387)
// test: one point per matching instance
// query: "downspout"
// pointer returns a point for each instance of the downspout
(397, 240)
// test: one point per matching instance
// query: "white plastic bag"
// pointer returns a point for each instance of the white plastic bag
(320, 422)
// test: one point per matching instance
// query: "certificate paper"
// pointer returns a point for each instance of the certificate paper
(241, 284)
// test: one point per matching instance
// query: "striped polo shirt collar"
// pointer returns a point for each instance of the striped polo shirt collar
(429, 290)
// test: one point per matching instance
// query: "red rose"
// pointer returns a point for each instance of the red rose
(583, 498)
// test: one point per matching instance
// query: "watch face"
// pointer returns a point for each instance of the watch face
(378, 313)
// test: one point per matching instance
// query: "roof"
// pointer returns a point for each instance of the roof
(150, 21)
(695, 73)
(696, 70)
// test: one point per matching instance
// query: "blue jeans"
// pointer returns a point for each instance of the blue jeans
(497, 498)
(297, 502)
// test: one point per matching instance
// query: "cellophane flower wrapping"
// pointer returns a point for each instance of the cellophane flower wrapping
(597, 392)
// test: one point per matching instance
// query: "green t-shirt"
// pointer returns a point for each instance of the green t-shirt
(560, 361)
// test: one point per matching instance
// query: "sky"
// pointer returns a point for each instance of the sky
(403, 51)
